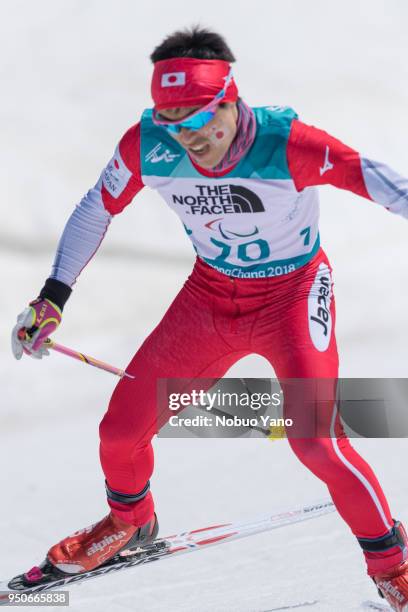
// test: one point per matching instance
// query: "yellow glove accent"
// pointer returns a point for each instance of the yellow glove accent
(277, 432)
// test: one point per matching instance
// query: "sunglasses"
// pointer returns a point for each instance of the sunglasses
(199, 118)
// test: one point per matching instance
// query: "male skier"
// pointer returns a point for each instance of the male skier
(242, 180)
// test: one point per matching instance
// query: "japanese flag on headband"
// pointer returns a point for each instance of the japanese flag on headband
(187, 81)
(173, 79)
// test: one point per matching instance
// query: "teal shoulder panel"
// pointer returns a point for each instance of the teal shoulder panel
(267, 157)
(160, 154)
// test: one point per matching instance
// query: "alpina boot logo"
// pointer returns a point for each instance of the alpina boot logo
(389, 588)
(106, 541)
(320, 321)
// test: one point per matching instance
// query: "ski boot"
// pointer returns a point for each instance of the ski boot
(393, 586)
(89, 549)
(387, 565)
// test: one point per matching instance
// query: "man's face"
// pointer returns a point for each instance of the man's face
(208, 145)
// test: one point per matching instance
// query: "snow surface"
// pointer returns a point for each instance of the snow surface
(75, 76)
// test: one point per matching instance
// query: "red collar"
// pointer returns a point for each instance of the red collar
(211, 173)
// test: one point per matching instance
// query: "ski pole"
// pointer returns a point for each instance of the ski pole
(97, 363)
(64, 350)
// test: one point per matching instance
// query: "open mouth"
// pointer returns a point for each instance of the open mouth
(199, 151)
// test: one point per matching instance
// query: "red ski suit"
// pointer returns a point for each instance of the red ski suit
(214, 321)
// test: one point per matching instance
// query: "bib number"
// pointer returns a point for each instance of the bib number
(249, 251)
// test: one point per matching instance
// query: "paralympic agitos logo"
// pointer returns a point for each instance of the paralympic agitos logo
(220, 199)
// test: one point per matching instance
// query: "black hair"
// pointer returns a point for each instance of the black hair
(197, 42)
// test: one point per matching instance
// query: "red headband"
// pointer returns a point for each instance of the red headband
(187, 81)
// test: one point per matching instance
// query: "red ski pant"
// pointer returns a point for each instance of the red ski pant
(214, 321)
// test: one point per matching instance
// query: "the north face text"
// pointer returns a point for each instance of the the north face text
(220, 199)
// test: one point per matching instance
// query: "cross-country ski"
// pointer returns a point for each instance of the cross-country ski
(187, 542)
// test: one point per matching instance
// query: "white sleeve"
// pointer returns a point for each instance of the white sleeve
(82, 236)
(385, 186)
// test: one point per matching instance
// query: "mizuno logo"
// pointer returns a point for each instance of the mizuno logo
(154, 156)
(327, 165)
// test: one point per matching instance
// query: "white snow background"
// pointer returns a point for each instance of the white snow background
(74, 76)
